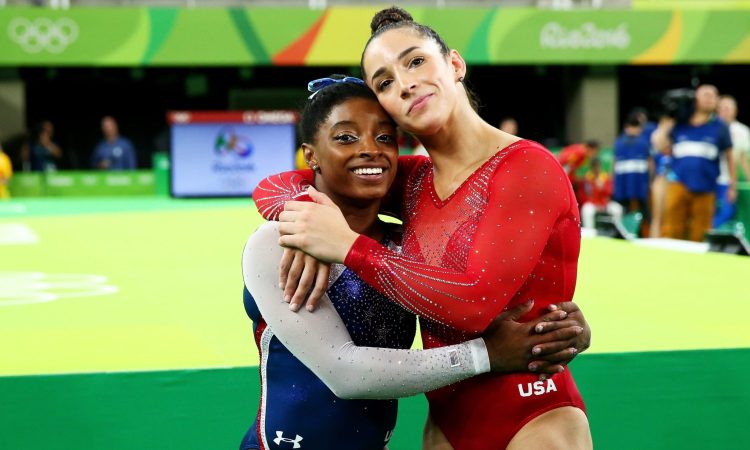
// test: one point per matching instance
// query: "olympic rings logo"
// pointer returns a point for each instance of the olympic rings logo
(43, 34)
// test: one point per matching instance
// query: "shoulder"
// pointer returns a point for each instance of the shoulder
(413, 159)
(267, 230)
(524, 158)
(410, 163)
(718, 123)
(741, 127)
(531, 151)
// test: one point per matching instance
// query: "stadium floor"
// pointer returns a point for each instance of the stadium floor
(122, 327)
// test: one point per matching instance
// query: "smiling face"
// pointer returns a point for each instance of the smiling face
(356, 151)
(414, 81)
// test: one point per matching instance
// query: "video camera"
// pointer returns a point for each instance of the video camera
(678, 104)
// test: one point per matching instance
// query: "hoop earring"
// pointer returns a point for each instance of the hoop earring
(460, 79)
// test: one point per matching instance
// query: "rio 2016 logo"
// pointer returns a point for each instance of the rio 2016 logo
(229, 142)
(43, 34)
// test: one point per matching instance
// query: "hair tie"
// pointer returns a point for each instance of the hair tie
(316, 86)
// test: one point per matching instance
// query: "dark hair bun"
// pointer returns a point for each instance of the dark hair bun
(394, 14)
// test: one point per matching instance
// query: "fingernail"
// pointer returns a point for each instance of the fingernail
(293, 306)
(536, 350)
(532, 367)
(281, 285)
(310, 308)
(553, 307)
(542, 377)
(579, 330)
(574, 350)
(529, 301)
(287, 298)
(539, 328)
(563, 314)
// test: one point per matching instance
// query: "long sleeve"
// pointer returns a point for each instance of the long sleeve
(321, 341)
(529, 199)
(272, 192)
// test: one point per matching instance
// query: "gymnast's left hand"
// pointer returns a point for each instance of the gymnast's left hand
(318, 229)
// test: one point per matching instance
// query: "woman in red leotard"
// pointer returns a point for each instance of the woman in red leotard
(490, 221)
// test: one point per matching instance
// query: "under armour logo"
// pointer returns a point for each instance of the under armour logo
(280, 438)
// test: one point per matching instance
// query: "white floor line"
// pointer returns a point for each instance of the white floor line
(17, 234)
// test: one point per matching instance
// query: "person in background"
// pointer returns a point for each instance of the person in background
(740, 135)
(509, 125)
(6, 173)
(596, 193)
(661, 167)
(696, 147)
(43, 150)
(575, 156)
(114, 152)
(632, 165)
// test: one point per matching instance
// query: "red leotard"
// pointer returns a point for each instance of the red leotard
(508, 234)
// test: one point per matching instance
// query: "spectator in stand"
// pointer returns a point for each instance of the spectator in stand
(509, 125)
(740, 134)
(696, 147)
(632, 165)
(596, 193)
(575, 156)
(43, 150)
(114, 152)
(6, 173)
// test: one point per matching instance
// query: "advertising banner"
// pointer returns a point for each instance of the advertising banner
(336, 36)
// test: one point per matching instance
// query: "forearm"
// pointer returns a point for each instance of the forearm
(660, 139)
(321, 341)
(53, 149)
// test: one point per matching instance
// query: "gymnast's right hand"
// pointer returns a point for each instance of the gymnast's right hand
(302, 277)
(510, 343)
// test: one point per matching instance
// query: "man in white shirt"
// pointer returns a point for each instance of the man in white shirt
(740, 134)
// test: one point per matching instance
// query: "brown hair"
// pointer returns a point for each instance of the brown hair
(395, 17)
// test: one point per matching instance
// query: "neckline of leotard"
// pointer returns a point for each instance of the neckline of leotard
(439, 203)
